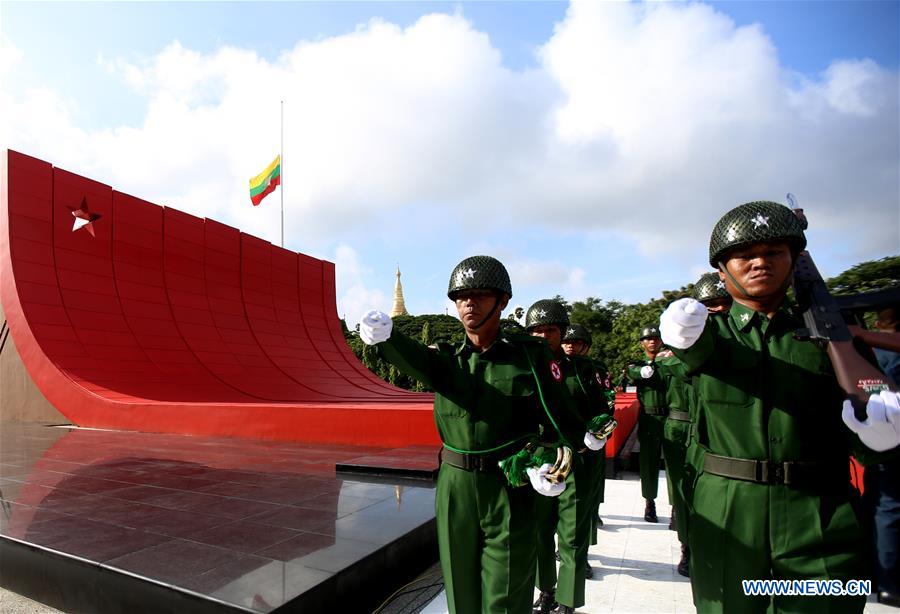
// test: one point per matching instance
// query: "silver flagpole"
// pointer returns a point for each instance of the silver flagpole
(282, 173)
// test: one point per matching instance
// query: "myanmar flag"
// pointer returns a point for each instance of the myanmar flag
(264, 184)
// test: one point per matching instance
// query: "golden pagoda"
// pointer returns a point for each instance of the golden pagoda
(399, 308)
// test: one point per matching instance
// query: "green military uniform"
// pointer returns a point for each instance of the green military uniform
(600, 478)
(567, 516)
(487, 405)
(486, 530)
(772, 496)
(576, 332)
(651, 423)
(676, 436)
(764, 396)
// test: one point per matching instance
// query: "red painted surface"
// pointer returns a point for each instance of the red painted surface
(857, 475)
(626, 414)
(164, 322)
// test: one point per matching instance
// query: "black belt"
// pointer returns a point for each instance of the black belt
(799, 474)
(681, 416)
(656, 411)
(471, 462)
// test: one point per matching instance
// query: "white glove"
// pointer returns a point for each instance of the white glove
(682, 322)
(881, 430)
(647, 372)
(374, 327)
(594, 443)
(539, 481)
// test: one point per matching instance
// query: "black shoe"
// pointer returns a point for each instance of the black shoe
(650, 511)
(558, 558)
(672, 520)
(546, 602)
(684, 565)
(588, 572)
(564, 609)
(891, 599)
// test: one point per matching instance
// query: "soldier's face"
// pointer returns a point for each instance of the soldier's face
(718, 305)
(761, 269)
(474, 305)
(575, 348)
(651, 345)
(551, 333)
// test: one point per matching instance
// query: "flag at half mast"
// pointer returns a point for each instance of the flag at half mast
(265, 183)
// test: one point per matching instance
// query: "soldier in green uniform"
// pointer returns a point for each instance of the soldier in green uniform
(577, 342)
(494, 393)
(772, 498)
(651, 390)
(568, 516)
(710, 291)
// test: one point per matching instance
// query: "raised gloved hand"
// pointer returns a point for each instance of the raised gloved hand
(594, 443)
(647, 372)
(539, 481)
(681, 324)
(881, 429)
(374, 327)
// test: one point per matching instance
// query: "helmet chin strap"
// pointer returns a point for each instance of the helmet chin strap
(489, 315)
(782, 288)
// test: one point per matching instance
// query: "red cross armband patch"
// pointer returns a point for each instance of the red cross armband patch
(555, 371)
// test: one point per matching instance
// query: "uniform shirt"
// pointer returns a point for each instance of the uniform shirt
(491, 398)
(677, 381)
(763, 394)
(586, 387)
(651, 391)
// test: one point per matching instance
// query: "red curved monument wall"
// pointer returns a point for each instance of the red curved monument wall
(150, 319)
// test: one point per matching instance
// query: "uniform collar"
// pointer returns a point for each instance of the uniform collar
(743, 317)
(466, 347)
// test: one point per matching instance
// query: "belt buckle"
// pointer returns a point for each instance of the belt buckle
(777, 473)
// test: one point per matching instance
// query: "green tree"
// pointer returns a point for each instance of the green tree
(867, 276)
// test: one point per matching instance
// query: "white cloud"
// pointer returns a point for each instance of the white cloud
(354, 291)
(644, 119)
(10, 55)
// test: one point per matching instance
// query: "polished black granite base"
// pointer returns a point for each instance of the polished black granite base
(117, 521)
(411, 462)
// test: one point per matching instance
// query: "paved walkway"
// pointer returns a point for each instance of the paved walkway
(634, 561)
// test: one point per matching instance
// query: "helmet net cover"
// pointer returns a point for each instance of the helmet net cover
(753, 223)
(546, 312)
(649, 332)
(479, 273)
(710, 287)
(577, 332)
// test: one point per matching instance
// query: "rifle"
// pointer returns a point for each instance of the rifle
(848, 346)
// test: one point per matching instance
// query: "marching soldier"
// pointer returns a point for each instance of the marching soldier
(710, 290)
(494, 393)
(773, 496)
(569, 515)
(651, 390)
(577, 342)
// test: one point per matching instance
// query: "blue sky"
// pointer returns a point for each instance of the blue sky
(589, 146)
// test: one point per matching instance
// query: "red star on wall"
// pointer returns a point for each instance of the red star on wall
(84, 218)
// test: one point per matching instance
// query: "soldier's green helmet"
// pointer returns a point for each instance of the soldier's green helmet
(754, 222)
(546, 312)
(479, 273)
(649, 332)
(709, 287)
(577, 332)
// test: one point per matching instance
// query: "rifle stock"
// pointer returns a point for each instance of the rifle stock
(825, 326)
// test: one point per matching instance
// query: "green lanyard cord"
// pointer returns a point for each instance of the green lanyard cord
(488, 451)
(543, 403)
